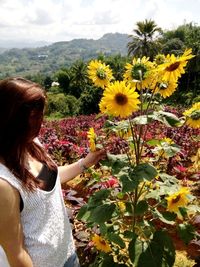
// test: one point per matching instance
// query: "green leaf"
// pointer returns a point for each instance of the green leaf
(83, 213)
(117, 162)
(128, 185)
(103, 229)
(97, 198)
(169, 119)
(186, 232)
(166, 217)
(144, 171)
(116, 239)
(160, 252)
(141, 207)
(153, 142)
(102, 213)
(142, 120)
(132, 248)
(129, 234)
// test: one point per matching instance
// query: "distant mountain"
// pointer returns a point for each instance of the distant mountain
(9, 44)
(49, 58)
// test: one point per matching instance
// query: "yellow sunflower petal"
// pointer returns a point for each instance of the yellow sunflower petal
(92, 139)
(101, 244)
(99, 73)
(178, 199)
(120, 99)
(139, 72)
(193, 116)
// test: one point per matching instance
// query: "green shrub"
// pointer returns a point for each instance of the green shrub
(196, 99)
(89, 100)
(60, 105)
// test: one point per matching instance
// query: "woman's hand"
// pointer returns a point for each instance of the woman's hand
(70, 171)
(93, 158)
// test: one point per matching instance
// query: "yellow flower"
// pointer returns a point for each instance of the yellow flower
(103, 107)
(139, 72)
(92, 139)
(120, 99)
(178, 199)
(121, 206)
(99, 73)
(172, 69)
(124, 133)
(166, 88)
(196, 160)
(100, 243)
(159, 59)
(193, 116)
(167, 140)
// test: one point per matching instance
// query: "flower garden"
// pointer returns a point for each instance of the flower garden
(140, 206)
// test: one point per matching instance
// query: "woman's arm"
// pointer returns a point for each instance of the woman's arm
(11, 234)
(70, 171)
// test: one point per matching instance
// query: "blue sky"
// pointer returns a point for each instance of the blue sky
(63, 20)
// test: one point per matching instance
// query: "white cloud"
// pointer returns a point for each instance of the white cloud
(57, 20)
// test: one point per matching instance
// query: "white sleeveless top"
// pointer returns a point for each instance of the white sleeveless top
(47, 231)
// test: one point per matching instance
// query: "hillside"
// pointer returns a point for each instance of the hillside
(48, 59)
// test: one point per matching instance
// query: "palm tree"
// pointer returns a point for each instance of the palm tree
(143, 41)
(79, 78)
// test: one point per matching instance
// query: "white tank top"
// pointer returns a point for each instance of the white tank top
(47, 231)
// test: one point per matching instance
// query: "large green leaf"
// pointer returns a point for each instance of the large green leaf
(186, 232)
(117, 162)
(128, 185)
(166, 217)
(102, 213)
(141, 207)
(83, 213)
(169, 119)
(115, 238)
(160, 252)
(144, 171)
(135, 248)
(97, 198)
(142, 120)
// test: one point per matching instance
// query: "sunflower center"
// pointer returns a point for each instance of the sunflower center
(163, 86)
(173, 66)
(138, 71)
(121, 99)
(195, 115)
(101, 74)
(160, 59)
(176, 199)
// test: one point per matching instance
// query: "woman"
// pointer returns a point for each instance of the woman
(34, 227)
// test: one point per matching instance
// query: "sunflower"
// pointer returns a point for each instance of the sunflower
(120, 99)
(100, 243)
(178, 200)
(159, 59)
(99, 73)
(165, 88)
(103, 106)
(193, 116)
(174, 66)
(138, 73)
(92, 139)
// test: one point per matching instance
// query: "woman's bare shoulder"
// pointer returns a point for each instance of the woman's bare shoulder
(9, 199)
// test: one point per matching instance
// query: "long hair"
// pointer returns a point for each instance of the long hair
(22, 104)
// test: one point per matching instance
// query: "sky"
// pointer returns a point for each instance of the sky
(64, 20)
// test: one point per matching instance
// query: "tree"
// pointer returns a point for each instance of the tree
(144, 42)
(63, 78)
(78, 78)
(117, 64)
